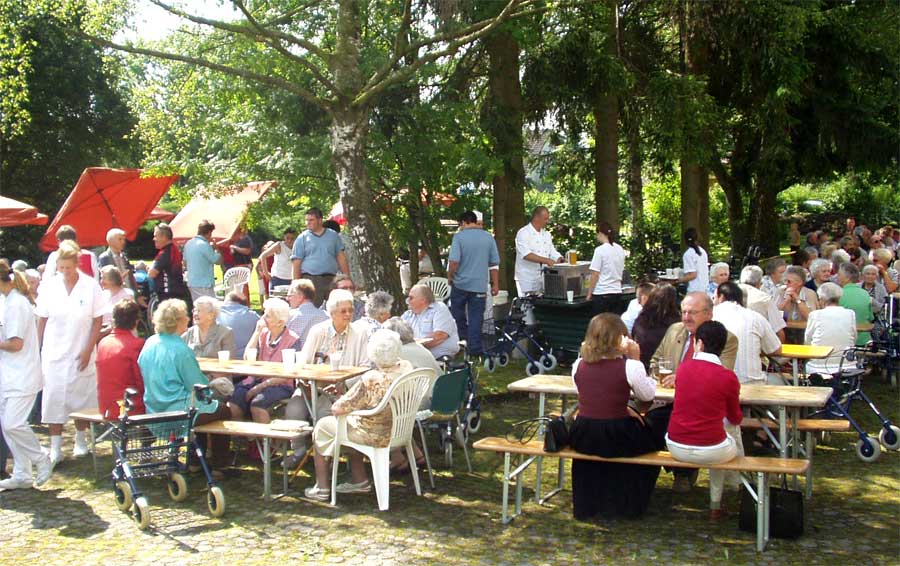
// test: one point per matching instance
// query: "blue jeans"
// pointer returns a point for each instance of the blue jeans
(467, 309)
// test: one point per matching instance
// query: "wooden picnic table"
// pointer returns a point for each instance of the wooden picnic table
(318, 373)
(801, 325)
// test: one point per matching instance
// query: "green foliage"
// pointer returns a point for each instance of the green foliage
(874, 200)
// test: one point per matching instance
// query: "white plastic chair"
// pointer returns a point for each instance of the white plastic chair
(439, 286)
(233, 279)
(402, 399)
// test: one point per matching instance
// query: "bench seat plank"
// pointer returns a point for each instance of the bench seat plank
(806, 425)
(740, 463)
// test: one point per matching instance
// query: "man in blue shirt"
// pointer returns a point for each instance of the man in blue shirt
(236, 315)
(318, 254)
(200, 258)
(473, 255)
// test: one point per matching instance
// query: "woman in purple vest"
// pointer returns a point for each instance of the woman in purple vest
(607, 372)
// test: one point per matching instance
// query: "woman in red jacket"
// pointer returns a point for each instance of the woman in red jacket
(707, 411)
(117, 367)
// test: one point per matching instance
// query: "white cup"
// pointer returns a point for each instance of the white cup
(250, 354)
(669, 273)
(224, 355)
(570, 296)
(335, 359)
(288, 357)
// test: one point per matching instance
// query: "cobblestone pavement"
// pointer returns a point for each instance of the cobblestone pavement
(854, 517)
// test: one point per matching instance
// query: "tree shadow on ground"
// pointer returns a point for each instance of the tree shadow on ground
(56, 513)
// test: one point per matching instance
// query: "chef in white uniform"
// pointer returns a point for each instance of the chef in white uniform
(20, 380)
(534, 248)
(70, 309)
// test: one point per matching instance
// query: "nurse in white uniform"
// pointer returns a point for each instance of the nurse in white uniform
(20, 381)
(70, 309)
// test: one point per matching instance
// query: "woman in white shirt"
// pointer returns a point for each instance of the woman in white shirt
(607, 267)
(696, 264)
(282, 268)
(832, 325)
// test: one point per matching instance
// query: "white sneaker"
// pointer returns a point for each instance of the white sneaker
(43, 472)
(15, 483)
(81, 449)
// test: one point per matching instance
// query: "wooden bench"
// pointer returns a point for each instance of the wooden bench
(263, 434)
(810, 427)
(746, 465)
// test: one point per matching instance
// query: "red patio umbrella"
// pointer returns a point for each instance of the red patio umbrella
(15, 213)
(161, 214)
(226, 211)
(337, 213)
(107, 198)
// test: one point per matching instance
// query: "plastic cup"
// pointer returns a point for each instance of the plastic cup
(570, 296)
(288, 358)
(335, 359)
(250, 354)
(224, 355)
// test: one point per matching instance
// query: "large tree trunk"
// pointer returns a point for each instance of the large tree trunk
(763, 219)
(606, 135)
(734, 200)
(633, 180)
(504, 122)
(349, 133)
(695, 199)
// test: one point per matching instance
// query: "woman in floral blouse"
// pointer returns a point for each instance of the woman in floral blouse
(384, 351)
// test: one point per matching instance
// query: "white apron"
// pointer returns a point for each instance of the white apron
(68, 328)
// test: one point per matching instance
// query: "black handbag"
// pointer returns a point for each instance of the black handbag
(556, 432)
(785, 512)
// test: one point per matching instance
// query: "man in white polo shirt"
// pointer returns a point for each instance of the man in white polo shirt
(534, 248)
(754, 334)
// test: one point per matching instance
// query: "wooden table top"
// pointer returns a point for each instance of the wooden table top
(803, 352)
(780, 395)
(801, 325)
(311, 372)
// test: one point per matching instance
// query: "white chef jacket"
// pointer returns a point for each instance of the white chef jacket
(528, 273)
(20, 372)
(66, 332)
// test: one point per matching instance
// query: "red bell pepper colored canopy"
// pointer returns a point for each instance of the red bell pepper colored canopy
(161, 214)
(15, 213)
(226, 211)
(107, 198)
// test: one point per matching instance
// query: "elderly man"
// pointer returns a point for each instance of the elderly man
(534, 248)
(200, 259)
(888, 276)
(855, 298)
(677, 346)
(115, 255)
(342, 281)
(303, 315)
(166, 269)
(756, 300)
(754, 334)
(318, 254)
(236, 315)
(473, 255)
(431, 320)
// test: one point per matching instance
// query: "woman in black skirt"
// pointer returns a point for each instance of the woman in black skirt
(608, 370)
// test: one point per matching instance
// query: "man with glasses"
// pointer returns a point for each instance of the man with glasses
(318, 254)
(431, 320)
(343, 282)
(677, 346)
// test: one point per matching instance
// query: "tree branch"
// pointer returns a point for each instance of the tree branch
(276, 45)
(233, 71)
(288, 17)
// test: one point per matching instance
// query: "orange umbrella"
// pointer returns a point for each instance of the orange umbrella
(226, 212)
(15, 213)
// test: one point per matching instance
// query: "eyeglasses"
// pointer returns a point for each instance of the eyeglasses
(694, 313)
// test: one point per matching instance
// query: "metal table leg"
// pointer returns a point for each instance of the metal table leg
(542, 399)
(267, 469)
(782, 430)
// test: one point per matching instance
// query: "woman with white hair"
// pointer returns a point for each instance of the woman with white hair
(820, 272)
(873, 287)
(718, 274)
(384, 351)
(256, 395)
(207, 337)
(378, 310)
(113, 289)
(832, 325)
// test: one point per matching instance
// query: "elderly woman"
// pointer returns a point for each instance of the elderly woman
(888, 276)
(384, 350)
(70, 311)
(606, 374)
(718, 274)
(795, 300)
(820, 272)
(832, 325)
(775, 269)
(20, 381)
(113, 289)
(117, 360)
(256, 395)
(378, 310)
(207, 337)
(873, 287)
(170, 372)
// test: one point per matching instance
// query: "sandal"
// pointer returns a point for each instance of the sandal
(316, 493)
